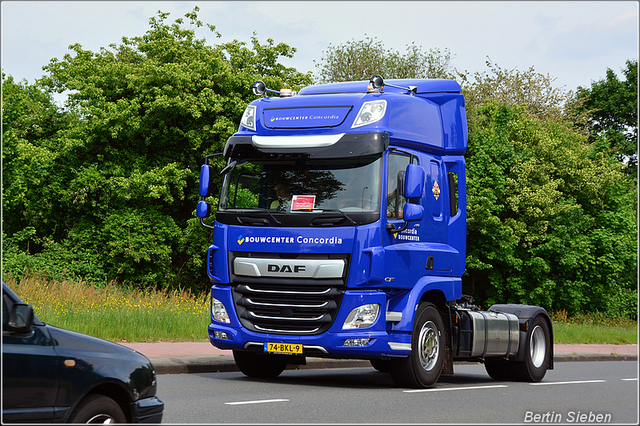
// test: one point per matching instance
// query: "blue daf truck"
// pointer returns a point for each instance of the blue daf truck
(340, 232)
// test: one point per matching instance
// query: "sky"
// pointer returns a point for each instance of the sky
(572, 41)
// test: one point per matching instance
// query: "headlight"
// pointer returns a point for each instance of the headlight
(362, 316)
(249, 118)
(370, 112)
(218, 311)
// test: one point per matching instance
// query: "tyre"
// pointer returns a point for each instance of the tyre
(423, 366)
(254, 364)
(537, 351)
(498, 369)
(98, 409)
(382, 365)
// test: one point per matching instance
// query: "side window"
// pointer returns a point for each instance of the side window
(395, 179)
(453, 193)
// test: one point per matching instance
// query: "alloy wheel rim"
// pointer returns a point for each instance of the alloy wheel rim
(428, 346)
(101, 419)
(537, 346)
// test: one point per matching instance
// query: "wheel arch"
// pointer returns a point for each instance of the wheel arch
(115, 391)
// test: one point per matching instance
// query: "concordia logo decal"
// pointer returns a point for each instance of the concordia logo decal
(290, 240)
(305, 117)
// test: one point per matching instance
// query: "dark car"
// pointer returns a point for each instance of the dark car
(54, 375)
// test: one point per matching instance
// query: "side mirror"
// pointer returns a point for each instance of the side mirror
(203, 209)
(412, 212)
(376, 81)
(413, 181)
(259, 88)
(206, 176)
(21, 318)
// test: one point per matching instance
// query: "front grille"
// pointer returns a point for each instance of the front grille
(287, 309)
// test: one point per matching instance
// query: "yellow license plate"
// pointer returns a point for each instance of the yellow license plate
(283, 348)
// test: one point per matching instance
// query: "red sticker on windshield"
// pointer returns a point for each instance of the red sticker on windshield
(303, 202)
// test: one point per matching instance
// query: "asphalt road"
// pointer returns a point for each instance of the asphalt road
(574, 392)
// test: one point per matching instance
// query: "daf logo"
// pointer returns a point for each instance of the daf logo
(286, 268)
(298, 268)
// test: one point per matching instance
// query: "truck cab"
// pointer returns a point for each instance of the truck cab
(341, 232)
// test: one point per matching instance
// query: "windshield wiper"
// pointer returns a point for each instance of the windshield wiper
(247, 218)
(337, 211)
(272, 217)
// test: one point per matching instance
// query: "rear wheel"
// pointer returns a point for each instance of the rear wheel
(423, 366)
(537, 352)
(382, 365)
(253, 364)
(498, 369)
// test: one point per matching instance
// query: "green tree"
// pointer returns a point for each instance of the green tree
(550, 220)
(359, 60)
(119, 183)
(612, 106)
(514, 87)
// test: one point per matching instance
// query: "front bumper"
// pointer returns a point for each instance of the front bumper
(148, 410)
(384, 342)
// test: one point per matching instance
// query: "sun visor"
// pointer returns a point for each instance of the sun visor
(304, 118)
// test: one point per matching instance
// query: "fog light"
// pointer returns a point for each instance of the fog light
(218, 311)
(362, 316)
(356, 342)
(220, 335)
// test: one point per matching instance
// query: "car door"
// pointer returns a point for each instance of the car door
(29, 371)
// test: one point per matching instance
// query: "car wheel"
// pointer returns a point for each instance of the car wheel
(98, 409)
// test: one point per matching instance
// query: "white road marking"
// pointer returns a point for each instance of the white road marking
(451, 389)
(567, 383)
(264, 401)
(633, 378)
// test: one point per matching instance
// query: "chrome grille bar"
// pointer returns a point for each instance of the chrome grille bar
(254, 315)
(287, 305)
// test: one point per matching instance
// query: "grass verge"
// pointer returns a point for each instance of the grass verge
(117, 313)
(593, 328)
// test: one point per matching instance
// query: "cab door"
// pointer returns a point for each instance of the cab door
(402, 262)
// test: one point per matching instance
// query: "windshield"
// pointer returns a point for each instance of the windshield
(282, 191)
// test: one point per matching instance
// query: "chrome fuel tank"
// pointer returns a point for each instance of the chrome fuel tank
(494, 333)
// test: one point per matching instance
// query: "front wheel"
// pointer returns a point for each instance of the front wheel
(98, 409)
(423, 366)
(254, 364)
